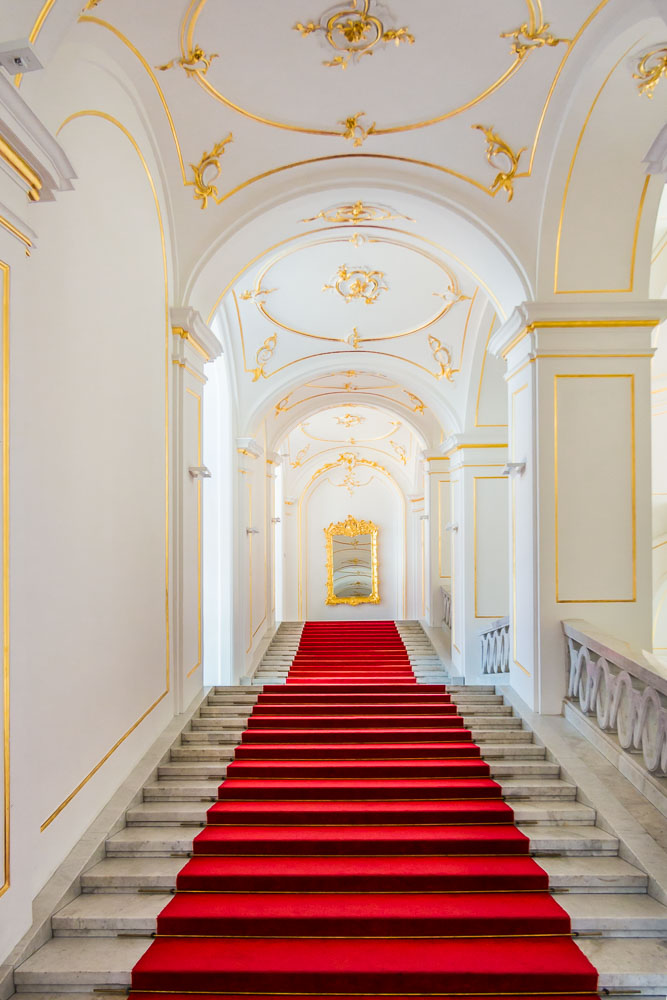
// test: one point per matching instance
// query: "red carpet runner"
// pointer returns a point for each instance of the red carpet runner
(359, 847)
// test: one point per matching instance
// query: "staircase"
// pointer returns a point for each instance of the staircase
(100, 935)
(278, 658)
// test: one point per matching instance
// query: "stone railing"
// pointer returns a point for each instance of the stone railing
(495, 640)
(447, 607)
(620, 688)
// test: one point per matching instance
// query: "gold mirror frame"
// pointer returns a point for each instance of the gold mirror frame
(351, 527)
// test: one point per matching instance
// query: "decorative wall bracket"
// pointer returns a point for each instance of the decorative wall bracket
(496, 147)
(353, 32)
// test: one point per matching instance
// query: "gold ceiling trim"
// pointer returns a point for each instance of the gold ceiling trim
(417, 407)
(400, 451)
(337, 445)
(651, 68)
(534, 33)
(23, 237)
(263, 356)
(450, 298)
(360, 33)
(566, 191)
(395, 426)
(358, 212)
(349, 420)
(496, 147)
(520, 51)
(358, 283)
(196, 59)
(443, 357)
(299, 457)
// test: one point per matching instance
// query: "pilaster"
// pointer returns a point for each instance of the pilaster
(193, 345)
(478, 533)
(437, 492)
(578, 378)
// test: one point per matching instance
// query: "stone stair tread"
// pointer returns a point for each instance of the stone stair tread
(620, 912)
(627, 962)
(591, 872)
(92, 961)
(569, 837)
(168, 812)
(539, 787)
(114, 912)
(132, 873)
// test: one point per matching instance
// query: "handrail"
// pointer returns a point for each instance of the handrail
(621, 688)
(495, 639)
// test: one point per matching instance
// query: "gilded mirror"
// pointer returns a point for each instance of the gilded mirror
(352, 562)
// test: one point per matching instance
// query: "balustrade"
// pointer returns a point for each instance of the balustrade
(495, 640)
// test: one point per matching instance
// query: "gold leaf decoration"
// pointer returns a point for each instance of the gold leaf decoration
(354, 130)
(534, 34)
(650, 70)
(496, 147)
(400, 451)
(263, 356)
(443, 357)
(207, 171)
(353, 32)
(356, 213)
(416, 402)
(300, 456)
(358, 283)
(195, 61)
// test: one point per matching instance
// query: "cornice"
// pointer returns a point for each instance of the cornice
(531, 316)
(188, 322)
(29, 154)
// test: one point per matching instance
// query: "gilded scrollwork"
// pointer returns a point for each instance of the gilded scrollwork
(300, 456)
(354, 529)
(256, 294)
(443, 357)
(496, 147)
(400, 452)
(207, 171)
(651, 68)
(194, 62)
(419, 407)
(263, 356)
(534, 33)
(349, 419)
(354, 130)
(353, 32)
(357, 283)
(356, 213)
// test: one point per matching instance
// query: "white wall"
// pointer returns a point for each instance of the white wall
(90, 672)
(381, 502)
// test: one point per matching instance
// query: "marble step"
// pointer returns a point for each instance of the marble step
(76, 963)
(159, 841)
(216, 769)
(216, 736)
(212, 751)
(241, 700)
(105, 914)
(578, 875)
(549, 810)
(187, 789)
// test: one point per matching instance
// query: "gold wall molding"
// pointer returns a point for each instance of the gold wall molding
(358, 212)
(358, 283)
(207, 171)
(11, 228)
(566, 191)
(352, 528)
(114, 121)
(22, 169)
(197, 397)
(353, 32)
(651, 68)
(497, 148)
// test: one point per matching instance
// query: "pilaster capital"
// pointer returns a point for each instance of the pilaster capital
(485, 449)
(565, 327)
(190, 328)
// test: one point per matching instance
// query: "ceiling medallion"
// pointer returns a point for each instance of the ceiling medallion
(207, 172)
(650, 70)
(350, 483)
(353, 32)
(496, 147)
(358, 283)
(349, 420)
(263, 356)
(357, 213)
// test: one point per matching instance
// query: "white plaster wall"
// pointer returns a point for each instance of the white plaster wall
(90, 683)
(381, 502)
